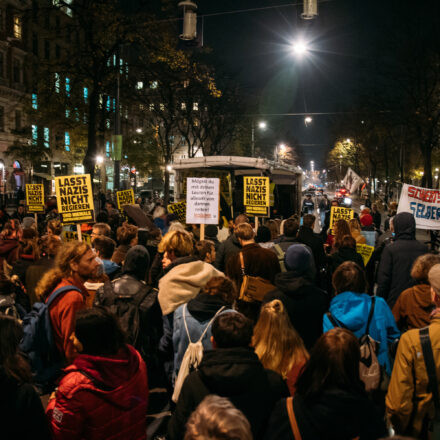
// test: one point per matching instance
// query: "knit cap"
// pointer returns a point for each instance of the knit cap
(298, 258)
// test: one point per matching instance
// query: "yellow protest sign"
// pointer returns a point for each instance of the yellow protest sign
(73, 236)
(125, 197)
(179, 209)
(338, 213)
(256, 196)
(366, 252)
(74, 198)
(272, 195)
(35, 197)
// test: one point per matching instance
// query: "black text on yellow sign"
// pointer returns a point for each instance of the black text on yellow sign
(338, 213)
(179, 209)
(125, 197)
(258, 211)
(256, 191)
(74, 198)
(35, 197)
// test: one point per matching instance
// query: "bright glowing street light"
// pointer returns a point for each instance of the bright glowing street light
(138, 130)
(308, 120)
(99, 160)
(348, 140)
(262, 125)
(299, 48)
(169, 168)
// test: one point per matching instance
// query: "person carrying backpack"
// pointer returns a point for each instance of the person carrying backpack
(351, 308)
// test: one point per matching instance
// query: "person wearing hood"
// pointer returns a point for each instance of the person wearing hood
(231, 370)
(394, 275)
(131, 286)
(330, 400)
(192, 320)
(104, 248)
(414, 306)
(346, 252)
(230, 246)
(304, 302)
(104, 393)
(351, 306)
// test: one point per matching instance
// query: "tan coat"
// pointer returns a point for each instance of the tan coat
(408, 394)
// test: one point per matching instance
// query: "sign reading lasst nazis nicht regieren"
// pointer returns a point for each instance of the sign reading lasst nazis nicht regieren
(256, 195)
(74, 198)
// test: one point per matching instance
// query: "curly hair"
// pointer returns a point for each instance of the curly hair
(68, 253)
(126, 233)
(223, 287)
(422, 266)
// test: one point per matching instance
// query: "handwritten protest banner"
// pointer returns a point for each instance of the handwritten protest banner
(202, 201)
(125, 197)
(365, 251)
(179, 209)
(338, 213)
(35, 197)
(74, 198)
(423, 203)
(256, 195)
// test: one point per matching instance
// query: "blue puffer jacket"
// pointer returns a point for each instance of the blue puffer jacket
(352, 309)
(203, 307)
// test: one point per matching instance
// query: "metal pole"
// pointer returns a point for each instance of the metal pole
(253, 140)
(117, 163)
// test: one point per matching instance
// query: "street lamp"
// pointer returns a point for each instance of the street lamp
(308, 120)
(348, 140)
(138, 130)
(299, 48)
(169, 168)
(262, 125)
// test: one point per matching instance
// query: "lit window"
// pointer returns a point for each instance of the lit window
(67, 140)
(107, 148)
(34, 134)
(17, 27)
(67, 113)
(139, 85)
(183, 106)
(162, 107)
(153, 85)
(151, 107)
(46, 136)
(57, 82)
(186, 83)
(107, 123)
(68, 87)
(108, 105)
(86, 94)
(195, 106)
(141, 107)
(34, 101)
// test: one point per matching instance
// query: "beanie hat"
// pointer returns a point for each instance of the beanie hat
(211, 231)
(366, 220)
(434, 278)
(298, 258)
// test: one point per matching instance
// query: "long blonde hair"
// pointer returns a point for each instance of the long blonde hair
(67, 253)
(277, 344)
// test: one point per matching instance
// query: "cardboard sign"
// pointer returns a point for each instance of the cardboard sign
(365, 251)
(338, 213)
(74, 198)
(125, 197)
(73, 236)
(35, 197)
(256, 192)
(179, 209)
(202, 200)
(423, 204)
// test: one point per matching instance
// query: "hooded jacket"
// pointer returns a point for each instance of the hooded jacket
(413, 307)
(315, 243)
(351, 310)
(101, 398)
(345, 254)
(394, 275)
(225, 250)
(408, 400)
(304, 302)
(335, 415)
(235, 373)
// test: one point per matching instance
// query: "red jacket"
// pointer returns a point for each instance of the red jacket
(107, 400)
(62, 316)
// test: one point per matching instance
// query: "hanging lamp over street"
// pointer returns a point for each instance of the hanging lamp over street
(189, 20)
(310, 9)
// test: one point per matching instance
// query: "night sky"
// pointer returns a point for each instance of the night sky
(254, 47)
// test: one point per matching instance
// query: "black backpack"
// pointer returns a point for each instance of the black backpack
(128, 308)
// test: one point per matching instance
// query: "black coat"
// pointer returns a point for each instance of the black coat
(345, 254)
(22, 414)
(315, 243)
(226, 249)
(235, 373)
(305, 304)
(394, 275)
(335, 415)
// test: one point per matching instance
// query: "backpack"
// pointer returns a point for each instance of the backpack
(280, 255)
(127, 308)
(38, 343)
(193, 355)
(8, 306)
(369, 367)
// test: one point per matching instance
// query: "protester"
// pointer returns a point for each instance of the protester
(377, 218)
(217, 419)
(104, 248)
(330, 400)
(340, 230)
(211, 234)
(126, 236)
(20, 213)
(324, 207)
(75, 263)
(28, 253)
(351, 306)
(100, 229)
(278, 345)
(394, 274)
(230, 246)
(264, 237)
(290, 231)
(409, 401)
(54, 227)
(308, 207)
(205, 251)
(304, 302)
(231, 370)
(346, 252)
(9, 245)
(355, 230)
(104, 393)
(392, 211)
(193, 320)
(22, 413)
(414, 306)
(312, 240)
(274, 229)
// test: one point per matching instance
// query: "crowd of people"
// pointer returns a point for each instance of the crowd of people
(274, 332)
